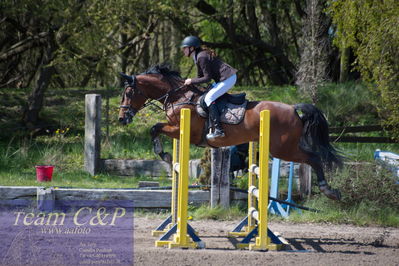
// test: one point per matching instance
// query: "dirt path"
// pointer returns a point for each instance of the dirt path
(309, 244)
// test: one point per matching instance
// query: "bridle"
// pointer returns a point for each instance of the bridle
(131, 112)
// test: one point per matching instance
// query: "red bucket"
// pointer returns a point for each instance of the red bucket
(44, 173)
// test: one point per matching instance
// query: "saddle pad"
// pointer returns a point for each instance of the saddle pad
(229, 114)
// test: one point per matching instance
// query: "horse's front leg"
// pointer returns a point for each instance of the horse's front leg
(170, 131)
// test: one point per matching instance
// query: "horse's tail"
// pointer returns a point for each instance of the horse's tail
(315, 137)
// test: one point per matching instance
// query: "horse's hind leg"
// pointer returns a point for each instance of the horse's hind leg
(315, 163)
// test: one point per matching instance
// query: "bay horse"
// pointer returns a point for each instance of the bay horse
(298, 133)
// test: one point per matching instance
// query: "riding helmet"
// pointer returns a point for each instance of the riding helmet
(191, 41)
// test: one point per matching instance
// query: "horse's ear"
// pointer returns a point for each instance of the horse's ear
(126, 77)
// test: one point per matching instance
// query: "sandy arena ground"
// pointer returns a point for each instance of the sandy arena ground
(309, 244)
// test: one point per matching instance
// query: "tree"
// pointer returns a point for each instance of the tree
(370, 28)
(255, 36)
(73, 41)
(315, 44)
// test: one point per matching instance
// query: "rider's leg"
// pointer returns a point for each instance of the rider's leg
(218, 90)
(214, 117)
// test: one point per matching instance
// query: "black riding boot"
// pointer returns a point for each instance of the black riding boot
(214, 117)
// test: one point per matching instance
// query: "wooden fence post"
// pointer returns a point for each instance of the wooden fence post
(305, 180)
(45, 199)
(220, 180)
(92, 133)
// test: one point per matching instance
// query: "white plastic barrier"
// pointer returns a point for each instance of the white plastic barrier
(388, 159)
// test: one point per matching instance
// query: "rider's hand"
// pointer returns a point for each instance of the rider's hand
(187, 82)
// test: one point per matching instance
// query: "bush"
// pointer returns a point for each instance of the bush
(367, 183)
(205, 177)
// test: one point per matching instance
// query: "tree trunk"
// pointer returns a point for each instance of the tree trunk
(305, 180)
(344, 65)
(220, 182)
(122, 58)
(35, 100)
(314, 60)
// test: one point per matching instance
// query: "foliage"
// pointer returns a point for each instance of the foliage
(205, 164)
(85, 43)
(241, 182)
(341, 112)
(369, 197)
(86, 36)
(370, 28)
(367, 184)
(93, 40)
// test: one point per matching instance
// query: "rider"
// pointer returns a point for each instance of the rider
(209, 67)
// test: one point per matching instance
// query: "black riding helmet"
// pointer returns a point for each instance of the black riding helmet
(191, 41)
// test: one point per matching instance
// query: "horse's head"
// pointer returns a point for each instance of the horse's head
(132, 100)
(157, 83)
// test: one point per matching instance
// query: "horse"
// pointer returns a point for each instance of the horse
(298, 133)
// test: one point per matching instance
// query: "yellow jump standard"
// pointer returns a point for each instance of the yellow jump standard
(255, 224)
(183, 234)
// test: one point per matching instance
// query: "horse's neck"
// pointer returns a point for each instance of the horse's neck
(189, 97)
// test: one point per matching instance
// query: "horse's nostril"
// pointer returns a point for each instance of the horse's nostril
(121, 119)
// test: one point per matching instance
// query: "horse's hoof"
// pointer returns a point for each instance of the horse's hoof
(167, 157)
(333, 194)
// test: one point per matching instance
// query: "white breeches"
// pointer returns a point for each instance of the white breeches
(219, 89)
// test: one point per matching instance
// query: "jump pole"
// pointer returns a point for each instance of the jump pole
(183, 234)
(256, 223)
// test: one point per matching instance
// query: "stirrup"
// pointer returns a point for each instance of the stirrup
(216, 134)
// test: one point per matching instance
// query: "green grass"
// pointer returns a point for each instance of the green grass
(286, 94)
(76, 179)
(361, 152)
(62, 143)
(152, 214)
(218, 213)
(362, 214)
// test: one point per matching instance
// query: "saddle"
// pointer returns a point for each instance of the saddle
(231, 107)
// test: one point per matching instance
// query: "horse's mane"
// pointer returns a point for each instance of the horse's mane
(163, 69)
(172, 76)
